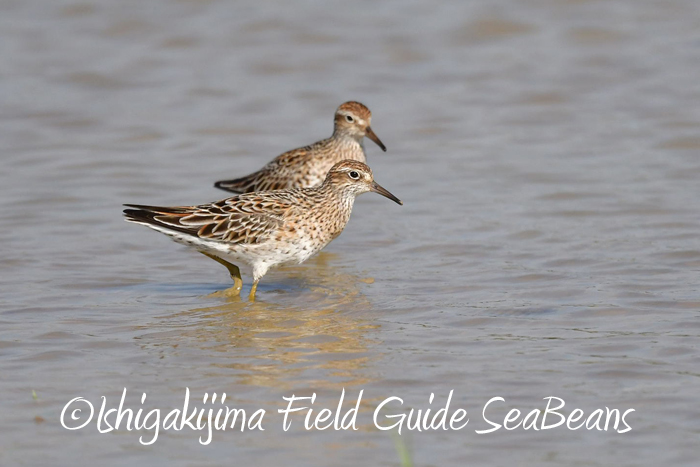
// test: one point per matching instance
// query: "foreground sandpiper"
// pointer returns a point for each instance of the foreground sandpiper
(265, 229)
(306, 167)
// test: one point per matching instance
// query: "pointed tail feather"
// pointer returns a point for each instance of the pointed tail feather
(245, 184)
(161, 217)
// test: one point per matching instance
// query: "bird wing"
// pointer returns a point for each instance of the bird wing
(276, 175)
(243, 219)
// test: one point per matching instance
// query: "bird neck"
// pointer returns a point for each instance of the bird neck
(342, 136)
(342, 198)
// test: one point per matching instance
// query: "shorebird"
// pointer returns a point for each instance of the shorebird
(306, 167)
(265, 229)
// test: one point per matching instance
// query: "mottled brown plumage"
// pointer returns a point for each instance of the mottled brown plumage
(306, 167)
(266, 229)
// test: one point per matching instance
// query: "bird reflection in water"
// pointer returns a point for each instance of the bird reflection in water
(317, 336)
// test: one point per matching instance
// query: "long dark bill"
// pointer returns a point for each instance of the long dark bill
(384, 192)
(371, 135)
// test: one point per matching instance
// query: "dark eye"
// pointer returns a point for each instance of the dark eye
(349, 118)
(354, 175)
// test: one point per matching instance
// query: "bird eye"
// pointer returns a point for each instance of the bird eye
(349, 118)
(354, 175)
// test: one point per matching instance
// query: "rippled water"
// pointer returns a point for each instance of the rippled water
(547, 152)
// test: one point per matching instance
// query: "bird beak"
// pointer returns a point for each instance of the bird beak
(384, 192)
(370, 134)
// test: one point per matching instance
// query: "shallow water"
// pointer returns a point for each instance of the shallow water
(547, 153)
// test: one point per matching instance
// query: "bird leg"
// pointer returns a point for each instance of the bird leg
(251, 297)
(233, 270)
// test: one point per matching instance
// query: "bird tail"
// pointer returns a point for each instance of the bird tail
(245, 184)
(159, 218)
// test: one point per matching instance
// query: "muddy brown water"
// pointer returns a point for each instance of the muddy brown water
(548, 156)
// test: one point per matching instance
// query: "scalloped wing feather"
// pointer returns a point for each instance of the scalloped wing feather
(244, 219)
(278, 174)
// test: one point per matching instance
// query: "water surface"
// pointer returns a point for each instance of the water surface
(547, 155)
